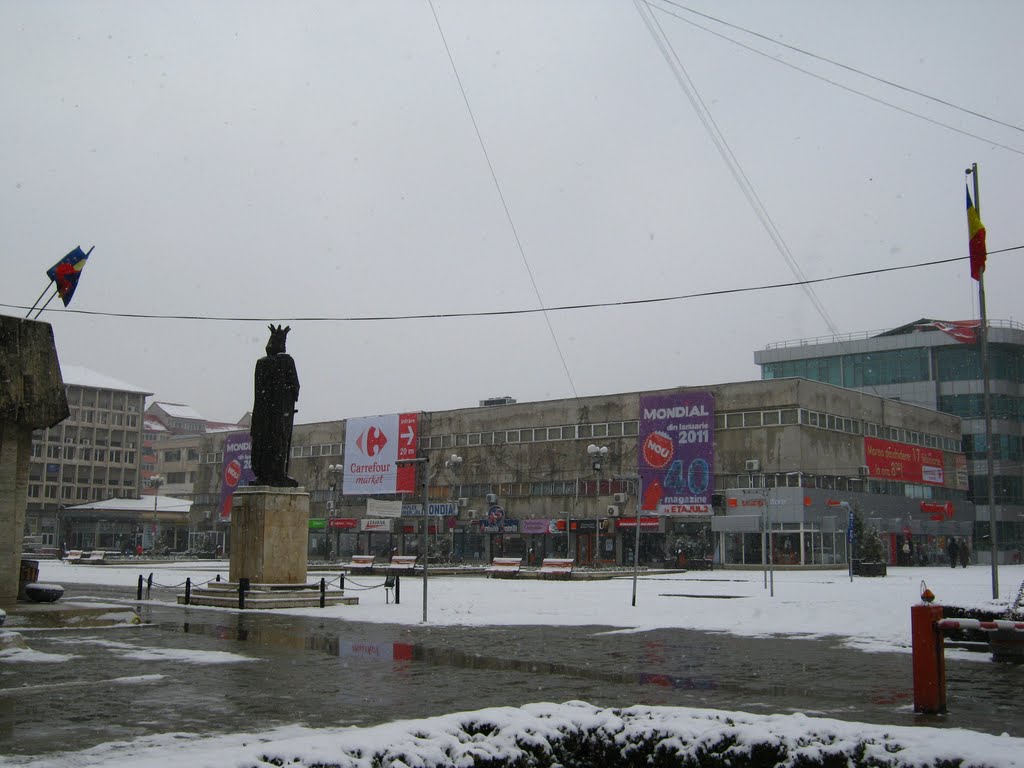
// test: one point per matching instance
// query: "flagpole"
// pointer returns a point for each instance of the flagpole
(39, 299)
(989, 468)
(55, 294)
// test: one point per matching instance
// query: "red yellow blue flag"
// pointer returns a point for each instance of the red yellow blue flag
(976, 239)
(65, 273)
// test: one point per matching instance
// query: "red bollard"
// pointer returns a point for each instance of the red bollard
(929, 659)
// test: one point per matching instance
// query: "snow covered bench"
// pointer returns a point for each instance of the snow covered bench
(505, 567)
(556, 567)
(362, 562)
(404, 563)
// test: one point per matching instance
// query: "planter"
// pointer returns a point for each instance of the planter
(861, 568)
(44, 593)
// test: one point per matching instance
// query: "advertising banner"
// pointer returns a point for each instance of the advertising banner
(534, 526)
(237, 469)
(381, 524)
(675, 453)
(887, 460)
(343, 523)
(373, 447)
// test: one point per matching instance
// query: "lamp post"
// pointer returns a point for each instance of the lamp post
(334, 474)
(453, 464)
(155, 482)
(597, 454)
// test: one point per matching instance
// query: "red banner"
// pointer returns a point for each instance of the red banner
(344, 523)
(887, 460)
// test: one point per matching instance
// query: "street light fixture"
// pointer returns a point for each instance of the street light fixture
(334, 474)
(597, 454)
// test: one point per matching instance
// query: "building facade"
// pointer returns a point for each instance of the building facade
(798, 448)
(936, 364)
(94, 454)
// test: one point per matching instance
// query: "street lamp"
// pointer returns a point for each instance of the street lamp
(453, 464)
(597, 454)
(334, 473)
(155, 482)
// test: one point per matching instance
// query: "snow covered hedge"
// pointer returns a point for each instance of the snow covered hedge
(578, 734)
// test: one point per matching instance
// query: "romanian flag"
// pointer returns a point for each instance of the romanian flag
(66, 273)
(976, 235)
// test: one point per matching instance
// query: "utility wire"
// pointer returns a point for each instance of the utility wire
(731, 161)
(839, 64)
(511, 312)
(847, 88)
(504, 204)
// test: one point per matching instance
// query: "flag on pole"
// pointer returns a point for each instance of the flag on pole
(976, 235)
(65, 273)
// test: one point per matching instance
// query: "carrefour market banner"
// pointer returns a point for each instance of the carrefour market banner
(676, 453)
(237, 469)
(374, 446)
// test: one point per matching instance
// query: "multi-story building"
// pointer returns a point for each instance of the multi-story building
(936, 364)
(92, 455)
(798, 449)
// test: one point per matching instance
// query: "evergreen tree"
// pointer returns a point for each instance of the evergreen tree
(867, 544)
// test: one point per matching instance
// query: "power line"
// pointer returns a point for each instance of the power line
(504, 204)
(847, 67)
(513, 312)
(731, 161)
(847, 88)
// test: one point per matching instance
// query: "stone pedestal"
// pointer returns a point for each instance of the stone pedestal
(269, 535)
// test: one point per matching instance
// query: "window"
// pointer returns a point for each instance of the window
(600, 430)
(175, 478)
(172, 456)
(192, 454)
(752, 419)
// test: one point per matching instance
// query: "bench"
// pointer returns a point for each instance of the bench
(73, 556)
(556, 567)
(96, 557)
(505, 567)
(362, 562)
(403, 563)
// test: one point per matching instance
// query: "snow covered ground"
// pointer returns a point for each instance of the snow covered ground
(871, 614)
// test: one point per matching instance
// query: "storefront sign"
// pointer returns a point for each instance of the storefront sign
(237, 469)
(382, 524)
(534, 527)
(317, 523)
(503, 525)
(373, 447)
(887, 460)
(675, 453)
(646, 523)
(439, 509)
(938, 510)
(343, 523)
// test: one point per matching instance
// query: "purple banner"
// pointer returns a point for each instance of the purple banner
(237, 470)
(675, 453)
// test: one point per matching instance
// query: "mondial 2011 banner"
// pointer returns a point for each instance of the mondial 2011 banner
(373, 446)
(237, 470)
(676, 453)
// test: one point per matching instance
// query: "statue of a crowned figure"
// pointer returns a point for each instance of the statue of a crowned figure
(273, 412)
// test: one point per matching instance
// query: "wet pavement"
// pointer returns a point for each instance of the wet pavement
(210, 671)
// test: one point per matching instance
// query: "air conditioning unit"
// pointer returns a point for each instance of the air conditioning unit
(612, 511)
(471, 514)
(69, 439)
(85, 441)
(621, 498)
(463, 502)
(753, 465)
(492, 498)
(863, 471)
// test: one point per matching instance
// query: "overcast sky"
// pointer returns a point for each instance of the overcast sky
(299, 159)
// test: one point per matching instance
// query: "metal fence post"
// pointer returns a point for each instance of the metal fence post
(188, 591)
(323, 591)
(243, 587)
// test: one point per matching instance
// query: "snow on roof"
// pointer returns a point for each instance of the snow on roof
(179, 410)
(85, 377)
(163, 504)
(152, 424)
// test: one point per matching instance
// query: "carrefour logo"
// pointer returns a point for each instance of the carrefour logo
(371, 441)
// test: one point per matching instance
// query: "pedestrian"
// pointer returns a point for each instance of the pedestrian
(951, 550)
(965, 553)
(907, 555)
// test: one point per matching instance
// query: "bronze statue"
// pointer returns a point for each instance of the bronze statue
(273, 412)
